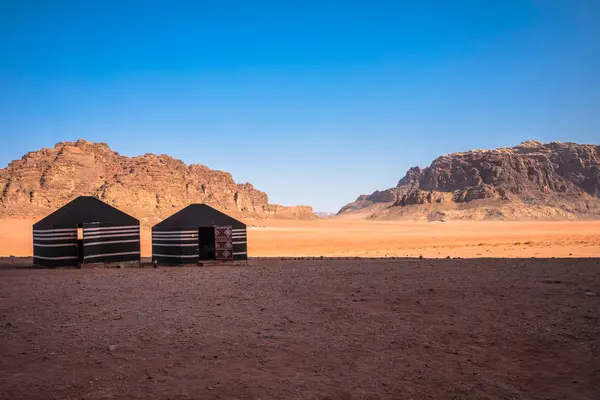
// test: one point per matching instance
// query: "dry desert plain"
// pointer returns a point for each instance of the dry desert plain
(507, 326)
(355, 237)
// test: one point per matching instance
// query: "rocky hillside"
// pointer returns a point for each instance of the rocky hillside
(531, 180)
(149, 187)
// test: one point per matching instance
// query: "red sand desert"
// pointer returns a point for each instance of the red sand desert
(506, 321)
(353, 237)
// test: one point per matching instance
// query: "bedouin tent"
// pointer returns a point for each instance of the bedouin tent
(86, 230)
(196, 233)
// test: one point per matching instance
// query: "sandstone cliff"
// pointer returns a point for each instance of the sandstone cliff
(149, 187)
(531, 180)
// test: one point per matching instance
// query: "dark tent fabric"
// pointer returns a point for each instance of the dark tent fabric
(85, 209)
(198, 215)
(198, 232)
(108, 235)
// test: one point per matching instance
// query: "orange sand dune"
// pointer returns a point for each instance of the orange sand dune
(361, 238)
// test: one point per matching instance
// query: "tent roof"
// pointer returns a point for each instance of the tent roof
(198, 215)
(85, 209)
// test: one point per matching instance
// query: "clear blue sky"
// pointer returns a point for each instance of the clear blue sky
(312, 102)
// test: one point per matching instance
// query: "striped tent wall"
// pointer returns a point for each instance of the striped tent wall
(55, 247)
(175, 245)
(240, 243)
(107, 243)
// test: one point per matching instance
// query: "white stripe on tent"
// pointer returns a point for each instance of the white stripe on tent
(107, 232)
(110, 235)
(112, 254)
(55, 245)
(73, 237)
(238, 236)
(107, 236)
(112, 242)
(174, 236)
(66, 234)
(238, 229)
(238, 242)
(69, 232)
(175, 239)
(174, 245)
(239, 253)
(55, 230)
(107, 228)
(171, 232)
(175, 255)
(56, 258)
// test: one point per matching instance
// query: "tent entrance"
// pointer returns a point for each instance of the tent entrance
(206, 243)
(80, 243)
(215, 243)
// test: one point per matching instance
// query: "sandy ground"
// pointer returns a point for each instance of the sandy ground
(361, 238)
(330, 329)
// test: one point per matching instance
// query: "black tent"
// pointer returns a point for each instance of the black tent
(198, 232)
(107, 235)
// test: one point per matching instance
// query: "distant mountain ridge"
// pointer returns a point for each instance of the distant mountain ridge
(531, 180)
(149, 187)
(323, 214)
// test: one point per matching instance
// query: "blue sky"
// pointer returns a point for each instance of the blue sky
(312, 102)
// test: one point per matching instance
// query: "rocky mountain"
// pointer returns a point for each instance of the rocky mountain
(531, 180)
(149, 187)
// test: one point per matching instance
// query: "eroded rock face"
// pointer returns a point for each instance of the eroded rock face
(419, 196)
(535, 173)
(149, 187)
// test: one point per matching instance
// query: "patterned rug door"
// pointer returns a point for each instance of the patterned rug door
(223, 243)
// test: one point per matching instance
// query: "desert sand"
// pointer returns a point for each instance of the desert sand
(356, 237)
(521, 325)
(304, 329)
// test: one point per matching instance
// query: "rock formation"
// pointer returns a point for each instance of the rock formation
(552, 180)
(149, 187)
